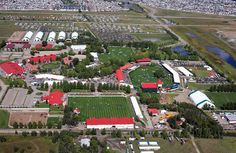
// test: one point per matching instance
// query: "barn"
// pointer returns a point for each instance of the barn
(108, 123)
(119, 75)
(149, 87)
(54, 98)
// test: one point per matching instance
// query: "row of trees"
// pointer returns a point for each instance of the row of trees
(223, 88)
(149, 98)
(34, 125)
(110, 86)
(229, 106)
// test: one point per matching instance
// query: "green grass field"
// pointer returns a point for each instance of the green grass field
(226, 145)
(199, 71)
(7, 28)
(102, 106)
(54, 121)
(4, 117)
(53, 65)
(220, 98)
(199, 86)
(117, 53)
(28, 144)
(146, 74)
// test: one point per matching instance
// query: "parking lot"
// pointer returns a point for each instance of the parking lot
(17, 97)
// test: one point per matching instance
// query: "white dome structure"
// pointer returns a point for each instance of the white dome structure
(62, 35)
(200, 99)
(51, 36)
(74, 35)
(38, 36)
(28, 36)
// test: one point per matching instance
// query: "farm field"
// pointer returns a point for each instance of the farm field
(226, 145)
(4, 117)
(154, 37)
(7, 28)
(28, 144)
(146, 74)
(199, 86)
(101, 106)
(192, 21)
(201, 39)
(220, 98)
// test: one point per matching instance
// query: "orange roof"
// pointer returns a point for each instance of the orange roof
(119, 74)
(55, 98)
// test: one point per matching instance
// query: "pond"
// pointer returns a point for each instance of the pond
(222, 54)
(181, 50)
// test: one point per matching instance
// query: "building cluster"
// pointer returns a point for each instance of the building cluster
(219, 7)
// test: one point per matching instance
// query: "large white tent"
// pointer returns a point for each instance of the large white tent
(38, 36)
(136, 107)
(200, 99)
(28, 36)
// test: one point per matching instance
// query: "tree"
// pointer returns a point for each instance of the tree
(142, 133)
(159, 73)
(93, 132)
(118, 134)
(44, 43)
(21, 125)
(75, 61)
(156, 133)
(103, 132)
(92, 88)
(15, 125)
(33, 133)
(24, 133)
(40, 125)
(164, 134)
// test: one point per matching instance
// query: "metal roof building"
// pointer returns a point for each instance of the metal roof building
(74, 35)
(28, 36)
(52, 36)
(136, 107)
(62, 35)
(200, 99)
(38, 36)
(185, 71)
(175, 75)
(49, 76)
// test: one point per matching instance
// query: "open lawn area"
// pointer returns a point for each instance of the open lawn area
(220, 98)
(146, 74)
(7, 28)
(199, 71)
(155, 37)
(4, 117)
(54, 121)
(226, 145)
(53, 65)
(117, 53)
(102, 106)
(28, 144)
(53, 109)
(199, 86)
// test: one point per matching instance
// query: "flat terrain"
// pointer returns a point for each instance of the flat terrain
(221, 98)
(53, 65)
(199, 86)
(4, 117)
(170, 147)
(146, 74)
(102, 106)
(226, 145)
(7, 28)
(28, 144)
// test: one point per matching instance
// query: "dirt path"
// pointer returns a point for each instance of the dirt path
(194, 144)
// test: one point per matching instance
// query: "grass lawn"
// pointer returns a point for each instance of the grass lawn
(226, 145)
(154, 37)
(117, 53)
(102, 106)
(7, 28)
(4, 117)
(170, 147)
(220, 98)
(146, 74)
(199, 71)
(29, 144)
(54, 121)
(53, 65)
(53, 109)
(199, 86)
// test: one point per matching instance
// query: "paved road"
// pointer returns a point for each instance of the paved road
(3, 91)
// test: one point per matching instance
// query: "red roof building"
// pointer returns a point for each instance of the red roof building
(11, 68)
(153, 111)
(39, 46)
(76, 111)
(31, 68)
(43, 59)
(120, 76)
(149, 85)
(126, 66)
(143, 60)
(26, 46)
(159, 83)
(55, 98)
(66, 60)
(100, 123)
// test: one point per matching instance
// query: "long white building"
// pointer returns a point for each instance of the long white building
(136, 107)
(185, 71)
(62, 35)
(49, 76)
(200, 99)
(175, 74)
(28, 36)
(51, 36)
(108, 123)
(38, 36)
